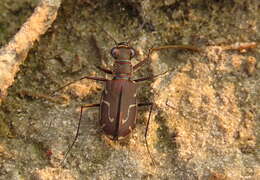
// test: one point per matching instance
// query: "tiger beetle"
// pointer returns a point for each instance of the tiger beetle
(118, 105)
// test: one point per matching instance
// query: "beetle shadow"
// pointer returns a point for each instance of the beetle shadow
(166, 137)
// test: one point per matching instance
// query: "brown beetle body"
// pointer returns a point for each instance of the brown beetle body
(118, 105)
(118, 108)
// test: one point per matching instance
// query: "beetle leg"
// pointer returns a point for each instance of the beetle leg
(147, 58)
(108, 71)
(137, 66)
(85, 77)
(147, 128)
(150, 77)
(144, 104)
(77, 133)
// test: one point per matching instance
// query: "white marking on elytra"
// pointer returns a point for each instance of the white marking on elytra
(108, 111)
(105, 90)
(130, 106)
(103, 125)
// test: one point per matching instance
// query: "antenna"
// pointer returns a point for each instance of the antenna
(109, 35)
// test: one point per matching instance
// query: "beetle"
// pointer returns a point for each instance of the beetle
(118, 105)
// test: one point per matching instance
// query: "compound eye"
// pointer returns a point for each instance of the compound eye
(132, 53)
(114, 52)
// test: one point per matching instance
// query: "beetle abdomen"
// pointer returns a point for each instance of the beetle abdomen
(118, 108)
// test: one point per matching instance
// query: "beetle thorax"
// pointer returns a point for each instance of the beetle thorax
(122, 69)
(122, 54)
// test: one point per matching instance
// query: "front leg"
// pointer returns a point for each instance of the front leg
(85, 77)
(185, 47)
(108, 71)
(149, 77)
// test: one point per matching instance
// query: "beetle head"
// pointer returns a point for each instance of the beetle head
(123, 51)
